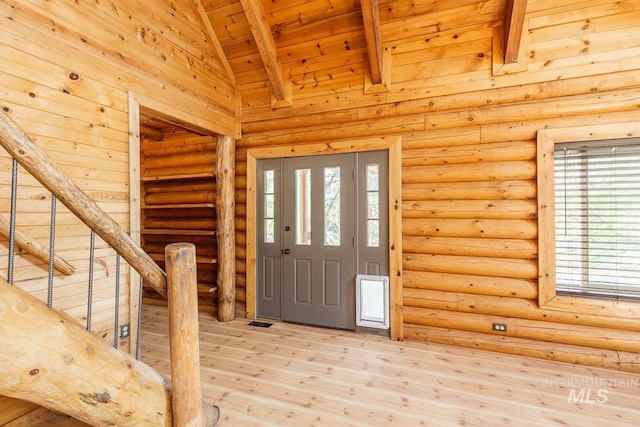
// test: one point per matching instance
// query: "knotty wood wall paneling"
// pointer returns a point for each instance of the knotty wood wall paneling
(69, 92)
(469, 159)
(65, 72)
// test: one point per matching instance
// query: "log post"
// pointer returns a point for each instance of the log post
(225, 211)
(182, 297)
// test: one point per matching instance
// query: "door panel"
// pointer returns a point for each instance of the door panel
(302, 281)
(268, 239)
(314, 235)
(318, 219)
(373, 224)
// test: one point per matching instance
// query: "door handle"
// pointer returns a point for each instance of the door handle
(286, 251)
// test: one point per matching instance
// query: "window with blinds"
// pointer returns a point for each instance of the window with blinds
(597, 198)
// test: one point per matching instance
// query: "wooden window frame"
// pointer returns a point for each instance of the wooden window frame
(394, 146)
(547, 297)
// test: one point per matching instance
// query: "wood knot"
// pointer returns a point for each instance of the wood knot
(34, 372)
(74, 76)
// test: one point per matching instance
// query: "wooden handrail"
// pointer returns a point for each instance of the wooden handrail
(38, 164)
(35, 248)
(70, 357)
(73, 371)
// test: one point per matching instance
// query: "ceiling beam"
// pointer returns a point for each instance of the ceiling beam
(373, 37)
(513, 25)
(280, 84)
(213, 38)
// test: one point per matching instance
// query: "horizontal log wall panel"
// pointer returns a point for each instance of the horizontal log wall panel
(186, 159)
(395, 104)
(510, 151)
(181, 197)
(485, 247)
(490, 228)
(471, 284)
(159, 149)
(481, 190)
(588, 336)
(521, 130)
(500, 267)
(194, 186)
(607, 102)
(481, 209)
(175, 170)
(506, 306)
(517, 346)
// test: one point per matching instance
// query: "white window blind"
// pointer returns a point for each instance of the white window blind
(597, 188)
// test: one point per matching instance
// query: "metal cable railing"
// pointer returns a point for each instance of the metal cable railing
(182, 315)
(12, 220)
(52, 247)
(11, 257)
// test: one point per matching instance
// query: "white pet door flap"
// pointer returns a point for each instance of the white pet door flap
(372, 301)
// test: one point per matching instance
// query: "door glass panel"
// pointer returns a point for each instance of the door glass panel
(332, 206)
(303, 206)
(373, 206)
(269, 206)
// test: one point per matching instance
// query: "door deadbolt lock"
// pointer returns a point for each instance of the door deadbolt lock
(286, 251)
(287, 228)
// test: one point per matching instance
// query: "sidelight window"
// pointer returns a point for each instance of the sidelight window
(269, 206)
(303, 206)
(332, 206)
(373, 205)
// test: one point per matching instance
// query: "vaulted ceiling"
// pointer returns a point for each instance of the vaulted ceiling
(281, 43)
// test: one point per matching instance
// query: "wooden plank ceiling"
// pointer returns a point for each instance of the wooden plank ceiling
(277, 41)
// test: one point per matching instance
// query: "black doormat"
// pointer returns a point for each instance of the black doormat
(260, 324)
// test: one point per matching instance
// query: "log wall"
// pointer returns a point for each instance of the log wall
(469, 173)
(178, 201)
(66, 71)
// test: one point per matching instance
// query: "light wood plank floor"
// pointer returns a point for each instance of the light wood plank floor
(291, 375)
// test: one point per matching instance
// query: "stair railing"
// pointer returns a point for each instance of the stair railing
(28, 155)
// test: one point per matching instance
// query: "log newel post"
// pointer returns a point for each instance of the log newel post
(180, 261)
(225, 212)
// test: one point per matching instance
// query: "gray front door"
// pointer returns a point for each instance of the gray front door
(309, 235)
(318, 219)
